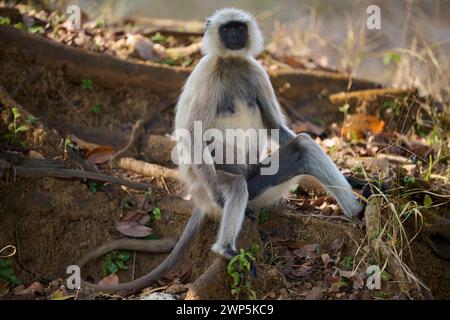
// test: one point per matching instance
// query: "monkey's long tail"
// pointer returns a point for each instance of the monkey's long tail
(168, 264)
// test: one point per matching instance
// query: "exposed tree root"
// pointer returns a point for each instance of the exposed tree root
(51, 168)
(111, 72)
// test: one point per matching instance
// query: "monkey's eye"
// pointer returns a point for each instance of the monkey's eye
(225, 29)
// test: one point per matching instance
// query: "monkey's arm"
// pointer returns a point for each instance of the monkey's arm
(205, 172)
(270, 109)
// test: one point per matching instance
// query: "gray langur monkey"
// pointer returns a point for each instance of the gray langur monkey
(229, 89)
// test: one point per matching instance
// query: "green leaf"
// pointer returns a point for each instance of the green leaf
(156, 213)
(264, 216)
(121, 265)
(385, 276)
(344, 108)
(4, 21)
(168, 61)
(427, 201)
(36, 29)
(7, 272)
(22, 129)
(16, 113)
(123, 255)
(391, 57)
(159, 38)
(19, 26)
(31, 119)
(347, 263)
(96, 108)
(87, 84)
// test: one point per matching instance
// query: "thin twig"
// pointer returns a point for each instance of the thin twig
(135, 133)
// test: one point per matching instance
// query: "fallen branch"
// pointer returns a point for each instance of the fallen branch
(369, 95)
(147, 169)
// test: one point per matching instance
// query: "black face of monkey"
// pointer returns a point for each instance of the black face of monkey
(234, 35)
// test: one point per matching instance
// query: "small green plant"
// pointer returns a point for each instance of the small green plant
(115, 261)
(7, 272)
(95, 186)
(16, 129)
(5, 21)
(100, 24)
(255, 249)
(392, 105)
(341, 284)
(347, 263)
(87, 84)
(96, 108)
(264, 216)
(168, 61)
(381, 294)
(318, 121)
(20, 26)
(409, 182)
(391, 57)
(31, 120)
(427, 201)
(239, 269)
(344, 109)
(427, 174)
(126, 203)
(155, 214)
(159, 38)
(385, 276)
(36, 29)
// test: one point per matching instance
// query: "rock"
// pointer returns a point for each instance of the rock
(176, 288)
(141, 47)
(158, 296)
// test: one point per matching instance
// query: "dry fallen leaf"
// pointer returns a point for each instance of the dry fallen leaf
(34, 288)
(294, 271)
(133, 229)
(111, 280)
(100, 155)
(327, 261)
(356, 125)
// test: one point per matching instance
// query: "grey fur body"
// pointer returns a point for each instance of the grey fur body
(229, 89)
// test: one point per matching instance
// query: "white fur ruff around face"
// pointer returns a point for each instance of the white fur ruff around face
(211, 40)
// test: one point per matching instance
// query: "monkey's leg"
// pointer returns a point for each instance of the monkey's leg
(236, 198)
(302, 156)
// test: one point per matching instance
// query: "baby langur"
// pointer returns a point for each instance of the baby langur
(229, 89)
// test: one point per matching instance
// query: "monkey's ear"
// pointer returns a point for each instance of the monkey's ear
(208, 22)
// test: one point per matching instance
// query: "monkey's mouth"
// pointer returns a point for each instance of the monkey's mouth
(238, 45)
